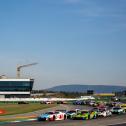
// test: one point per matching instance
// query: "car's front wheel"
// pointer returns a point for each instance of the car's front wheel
(65, 117)
(52, 119)
(95, 116)
(88, 117)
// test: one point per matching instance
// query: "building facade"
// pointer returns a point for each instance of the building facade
(16, 88)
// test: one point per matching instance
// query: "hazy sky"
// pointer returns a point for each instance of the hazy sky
(74, 41)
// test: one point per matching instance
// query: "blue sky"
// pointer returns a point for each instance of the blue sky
(74, 41)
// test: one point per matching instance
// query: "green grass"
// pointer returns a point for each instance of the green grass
(12, 109)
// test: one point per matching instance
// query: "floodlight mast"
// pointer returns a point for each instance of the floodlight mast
(22, 66)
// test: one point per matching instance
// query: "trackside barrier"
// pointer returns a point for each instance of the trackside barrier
(43, 99)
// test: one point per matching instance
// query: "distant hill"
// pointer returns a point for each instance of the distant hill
(84, 88)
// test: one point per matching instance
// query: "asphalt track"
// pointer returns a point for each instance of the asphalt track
(115, 120)
(123, 124)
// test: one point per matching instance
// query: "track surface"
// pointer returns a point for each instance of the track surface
(97, 122)
(109, 121)
(123, 124)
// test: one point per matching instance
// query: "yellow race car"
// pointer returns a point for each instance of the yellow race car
(123, 106)
(85, 115)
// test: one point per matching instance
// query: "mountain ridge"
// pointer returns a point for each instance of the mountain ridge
(84, 88)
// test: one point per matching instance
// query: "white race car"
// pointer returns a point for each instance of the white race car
(70, 113)
(60, 115)
(117, 110)
(103, 112)
(51, 116)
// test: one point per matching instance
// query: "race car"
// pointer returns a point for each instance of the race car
(71, 113)
(51, 116)
(103, 112)
(92, 103)
(60, 115)
(85, 115)
(117, 110)
(47, 116)
(79, 102)
(61, 110)
(62, 102)
(123, 106)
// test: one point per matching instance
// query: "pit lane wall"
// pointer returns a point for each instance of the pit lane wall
(44, 99)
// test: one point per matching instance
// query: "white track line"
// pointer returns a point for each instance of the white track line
(117, 124)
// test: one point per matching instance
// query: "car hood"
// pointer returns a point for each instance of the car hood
(70, 113)
(79, 115)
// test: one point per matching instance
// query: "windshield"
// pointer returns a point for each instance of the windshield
(61, 110)
(95, 109)
(116, 108)
(71, 111)
(123, 105)
(84, 112)
(49, 113)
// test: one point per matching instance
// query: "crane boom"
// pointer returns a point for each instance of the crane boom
(26, 65)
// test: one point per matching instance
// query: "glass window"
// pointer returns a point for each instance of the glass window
(16, 85)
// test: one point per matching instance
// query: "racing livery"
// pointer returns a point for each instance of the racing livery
(60, 115)
(117, 110)
(103, 111)
(71, 113)
(51, 116)
(47, 116)
(123, 106)
(85, 114)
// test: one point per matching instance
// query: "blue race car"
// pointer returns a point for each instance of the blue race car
(47, 116)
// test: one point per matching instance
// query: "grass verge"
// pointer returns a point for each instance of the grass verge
(12, 109)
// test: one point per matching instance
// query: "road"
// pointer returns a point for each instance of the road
(109, 121)
(122, 124)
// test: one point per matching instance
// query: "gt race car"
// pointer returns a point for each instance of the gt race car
(85, 115)
(51, 116)
(117, 110)
(103, 112)
(47, 116)
(71, 113)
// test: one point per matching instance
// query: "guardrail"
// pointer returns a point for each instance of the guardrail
(42, 99)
